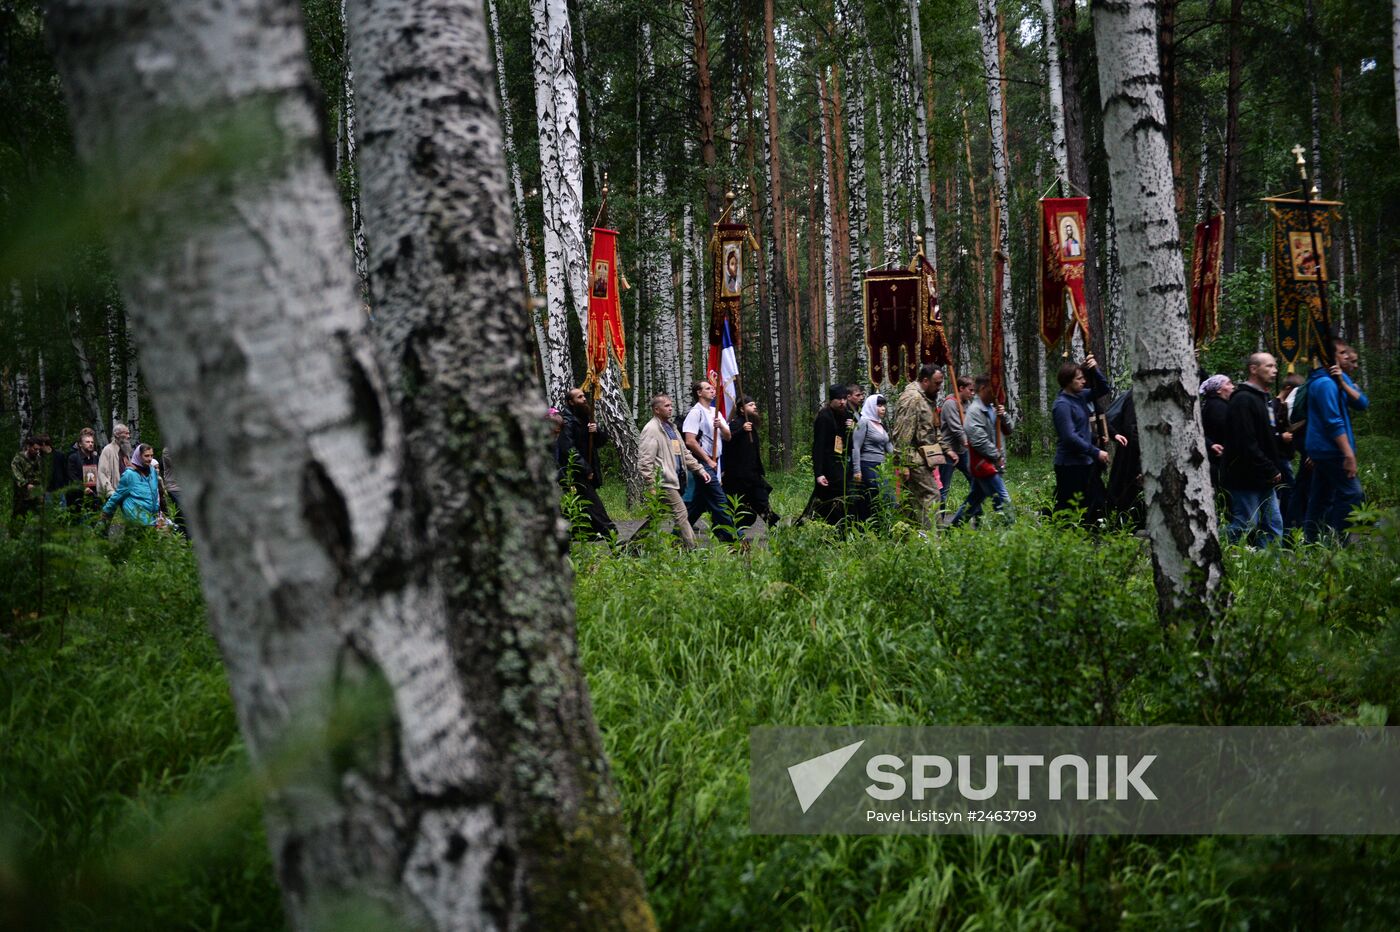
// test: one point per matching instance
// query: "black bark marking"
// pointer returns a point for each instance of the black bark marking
(325, 513)
(366, 397)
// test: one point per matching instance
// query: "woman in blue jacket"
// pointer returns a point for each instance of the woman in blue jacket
(1078, 462)
(138, 492)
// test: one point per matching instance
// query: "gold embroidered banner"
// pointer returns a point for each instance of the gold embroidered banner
(1302, 238)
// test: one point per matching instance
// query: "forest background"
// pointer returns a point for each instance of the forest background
(128, 799)
(842, 118)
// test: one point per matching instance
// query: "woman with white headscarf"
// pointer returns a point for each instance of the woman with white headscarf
(1215, 396)
(870, 445)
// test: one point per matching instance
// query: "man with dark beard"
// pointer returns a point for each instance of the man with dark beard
(579, 469)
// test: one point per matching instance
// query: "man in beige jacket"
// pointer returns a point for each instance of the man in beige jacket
(662, 452)
(116, 456)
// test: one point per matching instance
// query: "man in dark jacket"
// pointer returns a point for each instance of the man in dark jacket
(81, 469)
(579, 469)
(1250, 468)
(829, 457)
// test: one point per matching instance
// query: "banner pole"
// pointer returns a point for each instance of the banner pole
(1324, 346)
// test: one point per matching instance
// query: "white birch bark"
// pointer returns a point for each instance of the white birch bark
(561, 184)
(1057, 93)
(770, 256)
(991, 65)
(517, 188)
(1181, 521)
(851, 15)
(113, 364)
(920, 142)
(133, 389)
(1395, 56)
(24, 406)
(357, 226)
(1203, 168)
(528, 800)
(566, 257)
(689, 305)
(889, 234)
(828, 246)
(44, 413)
(92, 409)
(240, 292)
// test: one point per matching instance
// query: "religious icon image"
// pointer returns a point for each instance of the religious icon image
(733, 280)
(1071, 237)
(600, 279)
(1306, 261)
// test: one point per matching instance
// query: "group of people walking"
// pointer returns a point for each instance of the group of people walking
(708, 465)
(873, 459)
(84, 481)
(869, 465)
(1253, 434)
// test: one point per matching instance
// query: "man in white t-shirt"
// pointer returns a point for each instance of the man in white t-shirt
(705, 431)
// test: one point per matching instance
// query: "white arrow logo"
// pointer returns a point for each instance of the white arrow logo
(811, 777)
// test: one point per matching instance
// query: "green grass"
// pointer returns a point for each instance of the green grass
(125, 801)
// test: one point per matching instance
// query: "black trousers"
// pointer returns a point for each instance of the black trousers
(1080, 487)
(599, 524)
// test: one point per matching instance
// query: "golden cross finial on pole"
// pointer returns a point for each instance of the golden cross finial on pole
(1301, 162)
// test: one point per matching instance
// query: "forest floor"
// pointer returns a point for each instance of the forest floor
(126, 800)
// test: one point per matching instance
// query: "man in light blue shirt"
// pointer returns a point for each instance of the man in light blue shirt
(1331, 444)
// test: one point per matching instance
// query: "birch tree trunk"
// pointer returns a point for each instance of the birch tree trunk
(566, 260)
(114, 364)
(786, 370)
(87, 383)
(1186, 557)
(531, 800)
(920, 147)
(561, 185)
(24, 406)
(357, 226)
(852, 17)
(1057, 94)
(133, 390)
(1395, 56)
(517, 188)
(1071, 66)
(991, 63)
(363, 676)
(828, 245)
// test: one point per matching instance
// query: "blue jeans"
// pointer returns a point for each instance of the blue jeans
(874, 486)
(983, 489)
(1249, 507)
(1332, 497)
(945, 475)
(709, 496)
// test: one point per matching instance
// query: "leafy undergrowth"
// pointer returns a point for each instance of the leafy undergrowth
(125, 801)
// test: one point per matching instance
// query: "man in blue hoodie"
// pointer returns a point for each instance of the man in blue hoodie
(1331, 445)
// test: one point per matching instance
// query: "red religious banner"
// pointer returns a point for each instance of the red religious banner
(1205, 279)
(728, 282)
(893, 315)
(996, 366)
(604, 311)
(1062, 224)
(933, 341)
